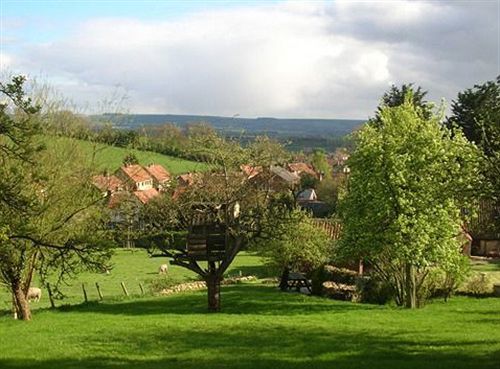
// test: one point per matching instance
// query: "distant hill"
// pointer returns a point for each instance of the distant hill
(275, 127)
(111, 157)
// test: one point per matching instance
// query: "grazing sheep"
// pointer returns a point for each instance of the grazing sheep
(34, 293)
(163, 269)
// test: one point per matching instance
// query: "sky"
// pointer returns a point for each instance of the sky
(293, 59)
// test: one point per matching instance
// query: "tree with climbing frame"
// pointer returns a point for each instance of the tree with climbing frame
(222, 211)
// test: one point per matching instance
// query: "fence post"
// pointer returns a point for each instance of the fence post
(84, 293)
(98, 290)
(124, 289)
(142, 288)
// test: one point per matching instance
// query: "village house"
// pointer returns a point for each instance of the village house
(283, 176)
(276, 177)
(186, 180)
(108, 184)
(143, 183)
(300, 169)
(308, 200)
(308, 194)
(338, 161)
(135, 177)
(161, 177)
(250, 171)
(485, 231)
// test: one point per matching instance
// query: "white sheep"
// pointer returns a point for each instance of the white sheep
(34, 293)
(163, 269)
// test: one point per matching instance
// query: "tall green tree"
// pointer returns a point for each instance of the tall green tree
(477, 112)
(409, 178)
(49, 214)
(320, 163)
(396, 97)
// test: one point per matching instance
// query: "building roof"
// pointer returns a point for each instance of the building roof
(187, 178)
(136, 173)
(146, 195)
(158, 172)
(308, 194)
(301, 168)
(107, 183)
(285, 174)
(250, 171)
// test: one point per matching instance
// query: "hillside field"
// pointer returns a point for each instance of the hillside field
(111, 157)
(259, 327)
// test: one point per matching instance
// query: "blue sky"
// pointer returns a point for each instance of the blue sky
(325, 59)
(43, 21)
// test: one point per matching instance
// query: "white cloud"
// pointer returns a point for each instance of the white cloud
(293, 59)
(6, 61)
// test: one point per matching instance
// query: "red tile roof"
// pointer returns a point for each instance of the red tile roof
(158, 172)
(107, 183)
(146, 195)
(300, 168)
(187, 179)
(250, 171)
(136, 173)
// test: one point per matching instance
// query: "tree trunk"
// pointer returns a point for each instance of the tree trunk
(14, 307)
(21, 303)
(213, 285)
(410, 287)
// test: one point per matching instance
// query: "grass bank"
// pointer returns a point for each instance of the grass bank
(259, 327)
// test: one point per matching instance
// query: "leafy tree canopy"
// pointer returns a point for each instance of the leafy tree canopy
(49, 214)
(396, 97)
(409, 177)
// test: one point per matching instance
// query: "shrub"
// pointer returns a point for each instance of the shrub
(341, 275)
(444, 283)
(479, 285)
(373, 290)
(296, 243)
(340, 291)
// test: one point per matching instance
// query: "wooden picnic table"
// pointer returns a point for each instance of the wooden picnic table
(295, 280)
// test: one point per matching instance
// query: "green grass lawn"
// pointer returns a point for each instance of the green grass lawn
(259, 327)
(133, 266)
(111, 157)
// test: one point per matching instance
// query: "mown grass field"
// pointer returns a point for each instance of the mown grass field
(111, 157)
(259, 327)
(133, 266)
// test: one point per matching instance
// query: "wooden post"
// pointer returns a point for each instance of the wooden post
(84, 293)
(124, 289)
(98, 290)
(142, 288)
(51, 297)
